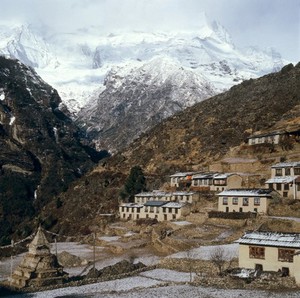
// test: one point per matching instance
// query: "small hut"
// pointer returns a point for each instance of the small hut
(39, 267)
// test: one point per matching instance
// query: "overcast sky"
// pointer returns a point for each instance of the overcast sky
(267, 23)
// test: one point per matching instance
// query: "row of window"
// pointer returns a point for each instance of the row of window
(149, 209)
(147, 216)
(284, 255)
(287, 171)
(245, 201)
(173, 198)
(283, 186)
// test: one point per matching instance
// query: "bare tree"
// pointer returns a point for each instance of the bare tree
(218, 258)
(190, 263)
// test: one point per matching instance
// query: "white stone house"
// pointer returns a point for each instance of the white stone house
(203, 181)
(266, 138)
(224, 181)
(160, 210)
(178, 196)
(270, 251)
(130, 211)
(244, 200)
(285, 179)
(182, 178)
(216, 181)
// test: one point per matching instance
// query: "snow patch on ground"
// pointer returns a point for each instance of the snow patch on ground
(204, 252)
(109, 238)
(182, 223)
(168, 275)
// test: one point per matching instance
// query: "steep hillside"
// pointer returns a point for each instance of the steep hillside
(208, 130)
(191, 139)
(40, 147)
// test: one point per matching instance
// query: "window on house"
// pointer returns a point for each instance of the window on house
(170, 210)
(298, 187)
(176, 211)
(256, 201)
(123, 209)
(285, 194)
(138, 210)
(285, 255)
(278, 172)
(245, 201)
(256, 252)
(278, 186)
(235, 201)
(164, 209)
(270, 185)
(296, 171)
(287, 171)
(286, 186)
(225, 201)
(151, 209)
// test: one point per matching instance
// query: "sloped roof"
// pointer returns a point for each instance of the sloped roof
(132, 205)
(155, 203)
(291, 240)
(208, 175)
(173, 205)
(287, 164)
(260, 192)
(282, 179)
(183, 174)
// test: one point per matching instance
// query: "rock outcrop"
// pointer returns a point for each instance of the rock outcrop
(41, 150)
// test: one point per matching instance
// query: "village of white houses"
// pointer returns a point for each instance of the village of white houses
(210, 227)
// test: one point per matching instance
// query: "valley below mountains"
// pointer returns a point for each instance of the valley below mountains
(206, 134)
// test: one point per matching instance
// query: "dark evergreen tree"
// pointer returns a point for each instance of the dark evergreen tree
(135, 183)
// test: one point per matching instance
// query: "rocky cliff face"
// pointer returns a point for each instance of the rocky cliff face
(40, 148)
(132, 103)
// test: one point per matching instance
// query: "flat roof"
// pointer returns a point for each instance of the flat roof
(291, 240)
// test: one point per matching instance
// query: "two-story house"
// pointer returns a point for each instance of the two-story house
(245, 200)
(285, 179)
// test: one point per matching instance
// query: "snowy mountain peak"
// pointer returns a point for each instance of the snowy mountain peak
(77, 63)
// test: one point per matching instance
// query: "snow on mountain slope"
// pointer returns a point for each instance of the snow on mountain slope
(116, 77)
(76, 63)
(136, 99)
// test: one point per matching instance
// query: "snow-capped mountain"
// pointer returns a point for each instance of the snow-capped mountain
(134, 101)
(76, 63)
(109, 76)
